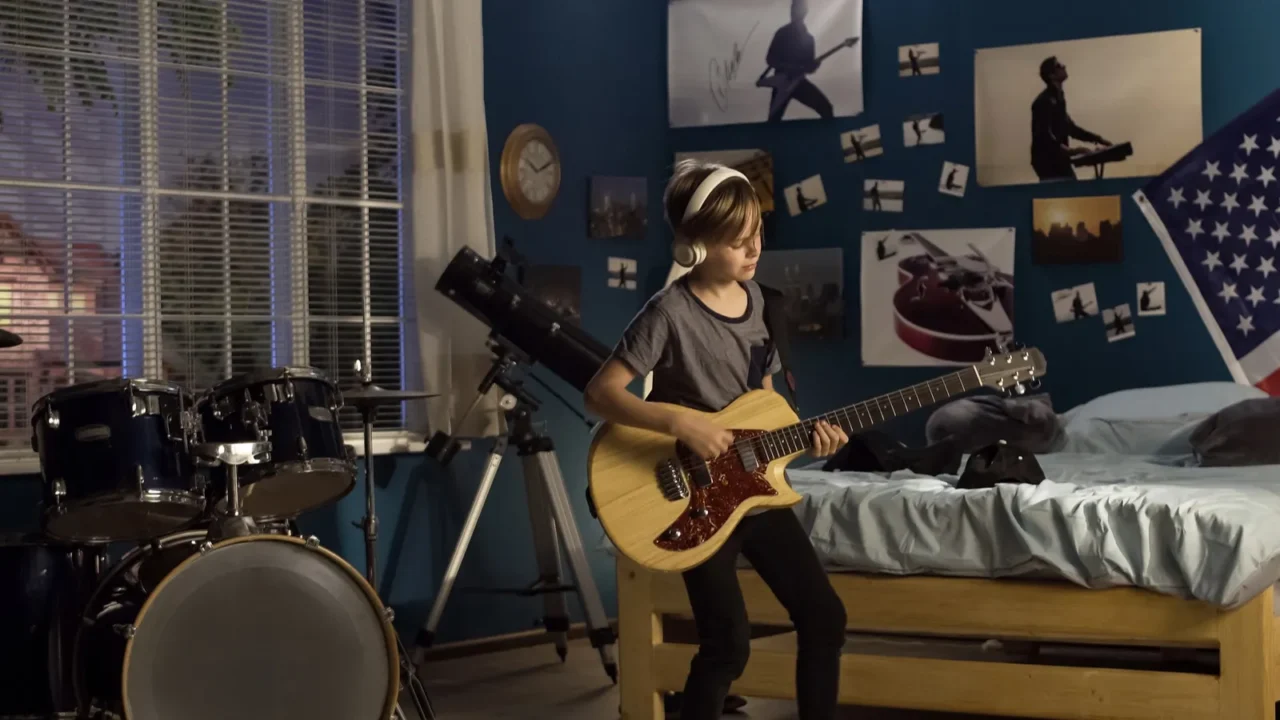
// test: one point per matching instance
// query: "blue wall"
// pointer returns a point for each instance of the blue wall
(593, 73)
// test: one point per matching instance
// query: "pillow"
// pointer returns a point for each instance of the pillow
(1132, 436)
(1165, 402)
(1242, 434)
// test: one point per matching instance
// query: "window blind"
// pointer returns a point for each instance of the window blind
(191, 189)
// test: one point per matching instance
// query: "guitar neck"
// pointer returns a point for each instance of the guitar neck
(829, 53)
(868, 413)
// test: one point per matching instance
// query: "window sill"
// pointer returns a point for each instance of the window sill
(385, 442)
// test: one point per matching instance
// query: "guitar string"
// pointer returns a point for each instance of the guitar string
(857, 409)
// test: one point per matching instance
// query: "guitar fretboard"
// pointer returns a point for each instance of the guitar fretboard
(862, 415)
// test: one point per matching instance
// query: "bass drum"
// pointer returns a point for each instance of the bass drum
(254, 628)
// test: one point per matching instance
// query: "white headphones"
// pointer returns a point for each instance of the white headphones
(687, 253)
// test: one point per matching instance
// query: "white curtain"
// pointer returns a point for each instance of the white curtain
(450, 204)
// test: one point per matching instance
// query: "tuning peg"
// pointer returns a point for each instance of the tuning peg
(1019, 389)
(1036, 383)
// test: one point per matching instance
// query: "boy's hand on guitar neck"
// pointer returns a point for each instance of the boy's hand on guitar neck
(827, 439)
(703, 437)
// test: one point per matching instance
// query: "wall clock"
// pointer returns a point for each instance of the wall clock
(530, 171)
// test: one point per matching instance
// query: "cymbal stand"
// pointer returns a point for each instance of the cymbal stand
(421, 702)
(370, 521)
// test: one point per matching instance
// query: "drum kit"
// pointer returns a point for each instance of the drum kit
(220, 609)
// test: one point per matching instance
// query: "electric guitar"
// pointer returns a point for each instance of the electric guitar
(669, 510)
(785, 83)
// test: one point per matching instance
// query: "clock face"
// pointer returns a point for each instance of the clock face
(538, 172)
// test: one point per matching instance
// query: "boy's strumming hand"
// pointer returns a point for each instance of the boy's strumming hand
(827, 439)
(704, 437)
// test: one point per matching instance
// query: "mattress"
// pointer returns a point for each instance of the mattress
(1098, 520)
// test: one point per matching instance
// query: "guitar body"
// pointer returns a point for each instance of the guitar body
(625, 466)
(951, 318)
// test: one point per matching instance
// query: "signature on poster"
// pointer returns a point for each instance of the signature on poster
(723, 72)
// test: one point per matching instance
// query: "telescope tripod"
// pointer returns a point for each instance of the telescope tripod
(552, 522)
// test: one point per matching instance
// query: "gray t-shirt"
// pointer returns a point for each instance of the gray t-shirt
(700, 359)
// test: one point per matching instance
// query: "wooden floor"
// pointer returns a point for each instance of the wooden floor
(532, 683)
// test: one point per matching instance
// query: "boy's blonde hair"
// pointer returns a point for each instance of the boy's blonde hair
(730, 213)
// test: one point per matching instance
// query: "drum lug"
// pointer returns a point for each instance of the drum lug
(390, 614)
(205, 547)
(142, 480)
(125, 631)
(53, 420)
(288, 390)
(302, 450)
(59, 492)
(313, 542)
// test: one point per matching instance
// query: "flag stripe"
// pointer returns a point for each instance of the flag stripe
(1262, 360)
(1271, 384)
(1197, 298)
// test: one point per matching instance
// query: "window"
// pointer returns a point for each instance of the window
(190, 189)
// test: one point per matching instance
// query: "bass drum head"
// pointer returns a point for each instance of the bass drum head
(261, 628)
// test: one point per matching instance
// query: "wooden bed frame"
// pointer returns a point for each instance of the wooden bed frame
(1245, 687)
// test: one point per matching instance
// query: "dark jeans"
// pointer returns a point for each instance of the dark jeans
(779, 550)
(806, 93)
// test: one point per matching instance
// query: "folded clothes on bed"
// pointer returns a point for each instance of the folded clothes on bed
(1098, 520)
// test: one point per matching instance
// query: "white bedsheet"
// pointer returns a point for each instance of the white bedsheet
(1099, 520)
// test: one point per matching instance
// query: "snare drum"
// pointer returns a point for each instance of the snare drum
(115, 457)
(296, 410)
(254, 628)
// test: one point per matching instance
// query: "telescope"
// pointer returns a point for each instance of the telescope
(484, 289)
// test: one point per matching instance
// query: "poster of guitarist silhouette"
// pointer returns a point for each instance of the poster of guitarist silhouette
(755, 61)
(1107, 107)
(935, 297)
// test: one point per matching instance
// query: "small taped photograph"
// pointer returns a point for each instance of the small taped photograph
(918, 60)
(1119, 323)
(1075, 303)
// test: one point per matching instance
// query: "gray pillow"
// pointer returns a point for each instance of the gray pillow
(1246, 433)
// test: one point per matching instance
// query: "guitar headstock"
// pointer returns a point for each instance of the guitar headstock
(1012, 371)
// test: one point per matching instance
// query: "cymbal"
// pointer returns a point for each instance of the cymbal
(8, 339)
(373, 396)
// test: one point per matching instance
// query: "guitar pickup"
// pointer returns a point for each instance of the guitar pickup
(747, 456)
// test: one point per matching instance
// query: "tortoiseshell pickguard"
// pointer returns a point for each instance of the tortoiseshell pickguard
(731, 484)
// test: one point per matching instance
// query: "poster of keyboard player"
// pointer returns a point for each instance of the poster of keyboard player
(935, 297)
(1108, 107)
(755, 61)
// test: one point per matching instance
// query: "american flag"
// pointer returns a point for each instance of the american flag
(1217, 211)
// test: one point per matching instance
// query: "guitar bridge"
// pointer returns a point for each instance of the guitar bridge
(671, 480)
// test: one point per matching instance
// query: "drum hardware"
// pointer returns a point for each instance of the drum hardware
(367, 399)
(8, 339)
(233, 523)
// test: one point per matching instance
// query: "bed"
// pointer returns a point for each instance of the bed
(1127, 543)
